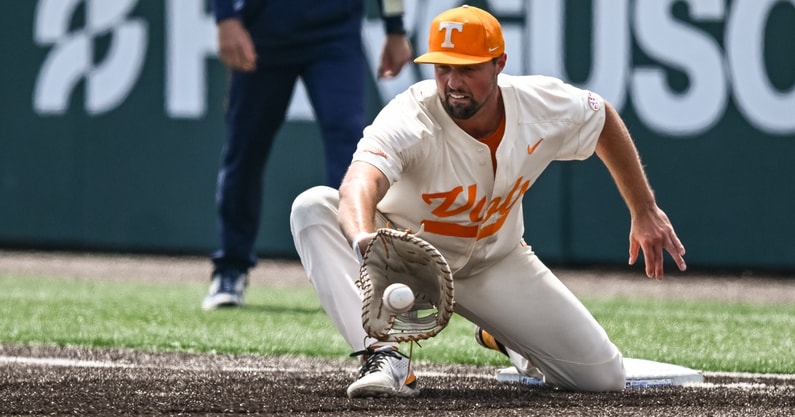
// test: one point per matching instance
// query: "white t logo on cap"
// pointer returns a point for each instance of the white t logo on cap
(448, 27)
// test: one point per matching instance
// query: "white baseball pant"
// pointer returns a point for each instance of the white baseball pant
(517, 299)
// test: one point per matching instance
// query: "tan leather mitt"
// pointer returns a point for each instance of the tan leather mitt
(396, 256)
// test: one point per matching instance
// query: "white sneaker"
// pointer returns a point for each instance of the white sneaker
(385, 373)
(226, 290)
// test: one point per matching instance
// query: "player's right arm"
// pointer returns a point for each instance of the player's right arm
(362, 188)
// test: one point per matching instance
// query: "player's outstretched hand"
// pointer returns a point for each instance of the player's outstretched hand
(652, 232)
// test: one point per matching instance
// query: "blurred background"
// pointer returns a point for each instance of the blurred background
(111, 125)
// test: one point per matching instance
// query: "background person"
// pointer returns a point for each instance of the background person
(267, 46)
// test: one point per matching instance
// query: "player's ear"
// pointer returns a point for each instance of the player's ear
(500, 62)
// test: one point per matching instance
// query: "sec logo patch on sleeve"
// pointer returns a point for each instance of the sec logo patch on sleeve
(594, 102)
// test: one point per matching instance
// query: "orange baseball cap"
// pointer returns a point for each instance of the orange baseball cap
(464, 35)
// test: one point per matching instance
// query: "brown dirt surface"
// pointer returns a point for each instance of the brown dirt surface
(37, 380)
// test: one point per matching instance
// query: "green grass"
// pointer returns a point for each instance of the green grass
(709, 336)
(703, 335)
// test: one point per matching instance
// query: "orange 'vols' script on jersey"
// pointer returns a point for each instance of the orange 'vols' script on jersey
(487, 216)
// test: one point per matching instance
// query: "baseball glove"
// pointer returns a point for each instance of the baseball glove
(395, 256)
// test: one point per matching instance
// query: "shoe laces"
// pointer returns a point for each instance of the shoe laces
(375, 359)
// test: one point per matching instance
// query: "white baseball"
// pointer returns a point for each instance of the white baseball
(398, 298)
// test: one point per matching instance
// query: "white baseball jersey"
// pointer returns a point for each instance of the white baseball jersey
(442, 179)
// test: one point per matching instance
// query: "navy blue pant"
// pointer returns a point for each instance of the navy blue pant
(334, 74)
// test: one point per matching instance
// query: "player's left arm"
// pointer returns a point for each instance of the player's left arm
(650, 230)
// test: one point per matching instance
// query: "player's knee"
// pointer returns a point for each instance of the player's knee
(599, 377)
(615, 377)
(609, 376)
(313, 206)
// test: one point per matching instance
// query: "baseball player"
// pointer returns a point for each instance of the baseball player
(452, 158)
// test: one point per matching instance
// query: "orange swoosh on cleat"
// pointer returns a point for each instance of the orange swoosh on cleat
(532, 148)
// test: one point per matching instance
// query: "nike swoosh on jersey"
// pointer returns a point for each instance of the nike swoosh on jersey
(532, 148)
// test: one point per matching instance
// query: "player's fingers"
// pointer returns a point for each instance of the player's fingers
(677, 251)
(652, 255)
(634, 247)
(680, 262)
(658, 266)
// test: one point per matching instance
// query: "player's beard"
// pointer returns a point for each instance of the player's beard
(460, 111)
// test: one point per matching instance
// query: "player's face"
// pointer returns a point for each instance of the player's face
(465, 89)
